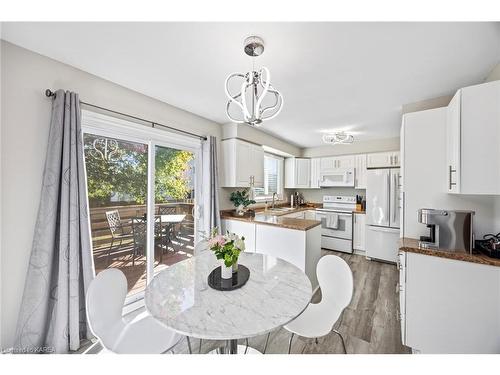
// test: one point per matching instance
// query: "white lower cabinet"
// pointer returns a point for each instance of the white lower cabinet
(241, 228)
(299, 247)
(449, 306)
(358, 232)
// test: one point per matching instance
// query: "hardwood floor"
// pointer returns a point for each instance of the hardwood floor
(370, 323)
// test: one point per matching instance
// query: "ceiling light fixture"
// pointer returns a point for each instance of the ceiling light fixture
(254, 87)
(338, 138)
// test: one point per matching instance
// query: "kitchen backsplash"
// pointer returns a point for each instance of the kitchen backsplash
(316, 195)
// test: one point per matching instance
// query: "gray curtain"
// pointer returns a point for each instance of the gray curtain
(210, 186)
(52, 316)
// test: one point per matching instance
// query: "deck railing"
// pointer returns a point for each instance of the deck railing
(101, 236)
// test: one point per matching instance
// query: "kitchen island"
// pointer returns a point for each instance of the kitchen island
(290, 234)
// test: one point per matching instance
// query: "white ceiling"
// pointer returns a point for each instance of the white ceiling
(333, 76)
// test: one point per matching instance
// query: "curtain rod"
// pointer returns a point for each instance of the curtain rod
(51, 94)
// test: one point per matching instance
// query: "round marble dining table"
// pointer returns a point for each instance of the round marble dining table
(181, 299)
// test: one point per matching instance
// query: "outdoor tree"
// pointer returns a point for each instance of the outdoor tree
(119, 169)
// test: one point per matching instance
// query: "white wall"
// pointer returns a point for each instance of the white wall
(424, 162)
(25, 124)
(358, 147)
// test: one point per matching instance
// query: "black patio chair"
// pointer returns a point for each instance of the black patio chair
(116, 228)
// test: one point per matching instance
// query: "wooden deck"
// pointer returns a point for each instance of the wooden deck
(136, 274)
(121, 255)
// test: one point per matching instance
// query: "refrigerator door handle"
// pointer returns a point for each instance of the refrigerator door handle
(389, 198)
(394, 198)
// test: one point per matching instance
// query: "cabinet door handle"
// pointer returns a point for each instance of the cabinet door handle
(450, 171)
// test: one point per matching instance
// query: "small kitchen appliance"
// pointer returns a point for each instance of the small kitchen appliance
(448, 229)
(336, 222)
(489, 245)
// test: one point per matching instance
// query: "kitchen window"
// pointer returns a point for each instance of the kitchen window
(273, 178)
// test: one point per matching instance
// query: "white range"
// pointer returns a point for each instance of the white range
(336, 222)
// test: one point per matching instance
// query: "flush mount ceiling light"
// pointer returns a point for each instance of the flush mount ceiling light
(338, 138)
(255, 86)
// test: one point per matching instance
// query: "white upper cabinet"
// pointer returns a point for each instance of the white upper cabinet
(315, 173)
(336, 162)
(473, 134)
(453, 144)
(242, 163)
(297, 173)
(383, 160)
(360, 171)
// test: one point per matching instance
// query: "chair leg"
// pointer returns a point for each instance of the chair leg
(199, 348)
(189, 345)
(342, 339)
(290, 343)
(316, 340)
(267, 340)
(109, 251)
(246, 348)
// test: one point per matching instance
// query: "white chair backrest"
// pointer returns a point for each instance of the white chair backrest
(336, 282)
(105, 298)
(200, 247)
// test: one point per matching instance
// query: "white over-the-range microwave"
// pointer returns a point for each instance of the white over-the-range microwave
(339, 177)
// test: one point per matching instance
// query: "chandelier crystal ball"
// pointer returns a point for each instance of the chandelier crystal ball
(338, 138)
(257, 100)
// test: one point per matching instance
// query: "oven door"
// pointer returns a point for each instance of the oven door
(343, 227)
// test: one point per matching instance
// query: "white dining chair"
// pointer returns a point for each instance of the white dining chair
(319, 319)
(143, 335)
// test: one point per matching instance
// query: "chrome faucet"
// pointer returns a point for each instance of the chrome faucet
(274, 198)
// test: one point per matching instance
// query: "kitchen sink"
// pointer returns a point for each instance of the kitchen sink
(280, 209)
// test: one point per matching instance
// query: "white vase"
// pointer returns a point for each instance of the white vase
(226, 272)
(240, 210)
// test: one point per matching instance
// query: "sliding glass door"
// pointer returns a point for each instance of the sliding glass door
(117, 185)
(141, 190)
(174, 206)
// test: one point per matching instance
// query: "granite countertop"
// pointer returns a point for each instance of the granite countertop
(411, 245)
(276, 218)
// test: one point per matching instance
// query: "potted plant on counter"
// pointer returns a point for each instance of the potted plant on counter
(227, 248)
(241, 201)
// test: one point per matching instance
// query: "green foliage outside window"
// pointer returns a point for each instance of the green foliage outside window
(120, 175)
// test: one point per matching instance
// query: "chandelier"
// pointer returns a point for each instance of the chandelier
(338, 138)
(254, 87)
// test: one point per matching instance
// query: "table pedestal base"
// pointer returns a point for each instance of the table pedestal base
(234, 348)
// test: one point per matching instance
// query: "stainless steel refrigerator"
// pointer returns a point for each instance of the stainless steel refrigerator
(383, 214)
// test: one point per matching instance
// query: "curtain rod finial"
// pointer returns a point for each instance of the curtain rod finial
(49, 93)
